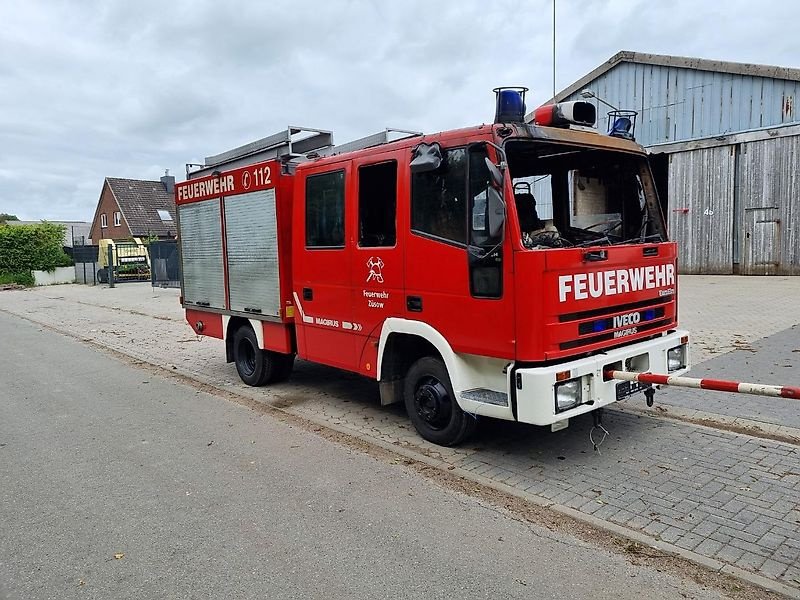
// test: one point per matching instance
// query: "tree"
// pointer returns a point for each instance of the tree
(6, 217)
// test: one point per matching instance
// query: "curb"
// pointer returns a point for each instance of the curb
(759, 429)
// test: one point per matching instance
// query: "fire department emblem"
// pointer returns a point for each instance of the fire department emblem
(375, 265)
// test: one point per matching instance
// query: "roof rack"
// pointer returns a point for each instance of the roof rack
(294, 145)
(376, 139)
(292, 142)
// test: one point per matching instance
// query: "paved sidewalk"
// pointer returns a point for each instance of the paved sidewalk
(774, 360)
(725, 496)
(726, 313)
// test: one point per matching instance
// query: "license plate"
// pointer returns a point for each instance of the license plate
(628, 388)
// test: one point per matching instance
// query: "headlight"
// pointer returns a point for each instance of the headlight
(676, 358)
(568, 394)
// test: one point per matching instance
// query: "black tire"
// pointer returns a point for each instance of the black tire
(432, 406)
(255, 366)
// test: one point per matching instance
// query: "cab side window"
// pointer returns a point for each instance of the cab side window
(377, 205)
(325, 210)
(438, 199)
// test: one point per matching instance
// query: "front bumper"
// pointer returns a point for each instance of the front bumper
(535, 387)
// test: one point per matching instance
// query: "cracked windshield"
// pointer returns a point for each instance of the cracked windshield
(569, 196)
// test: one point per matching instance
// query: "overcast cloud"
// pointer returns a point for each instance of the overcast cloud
(128, 89)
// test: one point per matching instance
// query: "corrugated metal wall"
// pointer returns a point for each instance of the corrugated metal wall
(769, 211)
(701, 209)
(732, 208)
(737, 205)
(678, 104)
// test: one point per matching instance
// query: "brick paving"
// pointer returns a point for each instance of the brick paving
(774, 359)
(726, 496)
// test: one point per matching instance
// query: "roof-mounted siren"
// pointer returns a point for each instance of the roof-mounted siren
(565, 114)
(509, 104)
(622, 124)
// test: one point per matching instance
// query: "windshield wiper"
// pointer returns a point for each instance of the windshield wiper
(641, 239)
(601, 240)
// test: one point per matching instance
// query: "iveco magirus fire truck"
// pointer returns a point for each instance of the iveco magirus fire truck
(494, 271)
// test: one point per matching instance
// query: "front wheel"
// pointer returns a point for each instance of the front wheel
(432, 406)
(255, 366)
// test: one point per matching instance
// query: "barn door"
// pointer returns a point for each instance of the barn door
(701, 209)
(762, 240)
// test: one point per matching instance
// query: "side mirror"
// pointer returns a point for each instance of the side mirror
(495, 212)
(495, 172)
(426, 157)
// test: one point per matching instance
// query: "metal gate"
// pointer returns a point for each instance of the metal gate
(131, 262)
(165, 268)
(85, 258)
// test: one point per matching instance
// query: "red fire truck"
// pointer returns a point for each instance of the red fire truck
(497, 271)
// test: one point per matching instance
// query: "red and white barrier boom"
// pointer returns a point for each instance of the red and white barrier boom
(718, 385)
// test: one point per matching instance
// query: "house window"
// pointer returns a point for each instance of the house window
(104, 220)
(117, 219)
(164, 215)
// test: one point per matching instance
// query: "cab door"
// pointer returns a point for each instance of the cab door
(459, 277)
(377, 270)
(323, 250)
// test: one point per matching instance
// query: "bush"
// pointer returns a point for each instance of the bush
(25, 279)
(24, 248)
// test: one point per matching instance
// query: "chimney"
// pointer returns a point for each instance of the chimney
(168, 181)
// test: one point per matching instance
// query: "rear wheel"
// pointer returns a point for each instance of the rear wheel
(255, 366)
(431, 404)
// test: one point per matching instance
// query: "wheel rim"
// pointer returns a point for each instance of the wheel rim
(432, 403)
(247, 357)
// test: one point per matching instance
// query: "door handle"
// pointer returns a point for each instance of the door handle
(414, 303)
(595, 255)
(308, 294)
(652, 251)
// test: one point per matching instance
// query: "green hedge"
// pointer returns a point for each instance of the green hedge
(25, 248)
(25, 279)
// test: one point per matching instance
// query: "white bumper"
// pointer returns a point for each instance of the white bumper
(535, 387)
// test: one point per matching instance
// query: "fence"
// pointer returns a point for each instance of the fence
(165, 268)
(86, 267)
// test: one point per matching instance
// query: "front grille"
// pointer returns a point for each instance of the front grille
(607, 310)
(599, 325)
(587, 341)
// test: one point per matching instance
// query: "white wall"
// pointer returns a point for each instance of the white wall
(59, 275)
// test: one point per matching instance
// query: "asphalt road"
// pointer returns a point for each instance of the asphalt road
(115, 483)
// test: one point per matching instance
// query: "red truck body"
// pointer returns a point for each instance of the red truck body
(365, 262)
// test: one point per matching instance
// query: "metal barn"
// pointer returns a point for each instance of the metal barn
(724, 140)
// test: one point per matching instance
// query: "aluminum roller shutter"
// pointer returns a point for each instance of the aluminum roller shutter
(252, 244)
(201, 254)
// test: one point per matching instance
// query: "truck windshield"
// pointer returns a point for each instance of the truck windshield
(568, 195)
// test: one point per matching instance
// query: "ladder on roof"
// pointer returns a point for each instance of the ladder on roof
(289, 143)
(292, 144)
(370, 141)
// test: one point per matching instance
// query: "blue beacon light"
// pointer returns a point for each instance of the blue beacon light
(510, 104)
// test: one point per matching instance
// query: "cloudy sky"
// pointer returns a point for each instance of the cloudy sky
(90, 89)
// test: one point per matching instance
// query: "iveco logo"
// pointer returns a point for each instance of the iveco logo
(627, 320)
